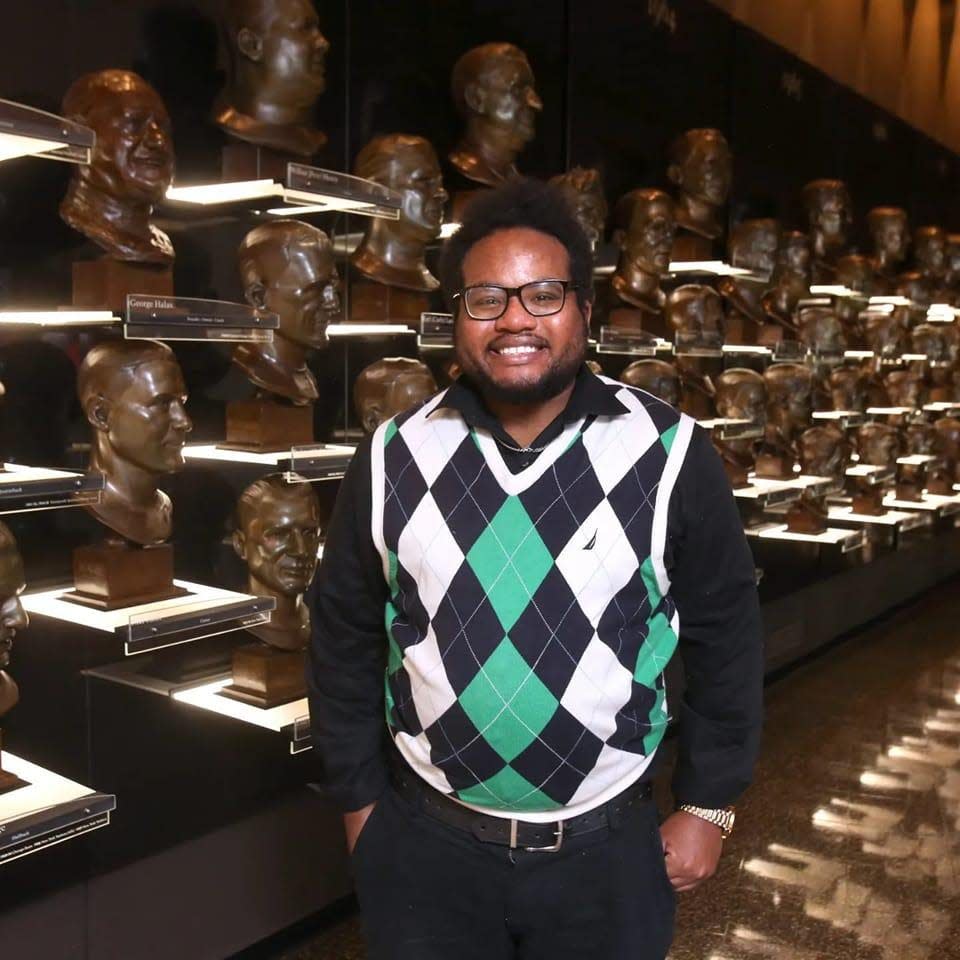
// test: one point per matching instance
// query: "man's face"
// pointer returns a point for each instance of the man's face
(832, 216)
(295, 51)
(589, 209)
(822, 452)
(880, 446)
(847, 389)
(520, 358)
(707, 171)
(890, 236)
(746, 400)
(134, 149)
(794, 258)
(757, 251)
(931, 253)
(696, 313)
(147, 422)
(416, 174)
(12, 615)
(649, 240)
(904, 388)
(280, 540)
(305, 294)
(509, 99)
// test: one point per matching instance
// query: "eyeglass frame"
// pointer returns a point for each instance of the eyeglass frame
(567, 286)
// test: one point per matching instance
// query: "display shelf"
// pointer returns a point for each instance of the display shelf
(790, 350)
(858, 354)
(933, 503)
(819, 486)
(871, 473)
(48, 810)
(902, 520)
(916, 460)
(26, 489)
(732, 429)
(28, 132)
(290, 719)
(844, 540)
(319, 462)
(842, 418)
(368, 330)
(203, 612)
(190, 318)
(629, 343)
(941, 406)
(745, 350)
(714, 268)
(890, 411)
(769, 493)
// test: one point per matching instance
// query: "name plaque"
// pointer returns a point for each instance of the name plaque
(144, 634)
(60, 139)
(789, 350)
(328, 186)
(189, 318)
(702, 344)
(26, 489)
(62, 821)
(730, 429)
(317, 462)
(436, 330)
(637, 343)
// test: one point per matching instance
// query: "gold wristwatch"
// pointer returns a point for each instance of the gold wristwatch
(722, 818)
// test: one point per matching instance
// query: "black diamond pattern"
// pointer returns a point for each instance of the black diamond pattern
(458, 749)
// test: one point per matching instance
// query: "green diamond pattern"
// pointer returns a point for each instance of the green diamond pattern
(668, 436)
(650, 582)
(507, 702)
(510, 560)
(390, 432)
(657, 649)
(508, 791)
(658, 724)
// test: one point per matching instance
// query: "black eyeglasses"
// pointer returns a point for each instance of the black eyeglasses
(540, 298)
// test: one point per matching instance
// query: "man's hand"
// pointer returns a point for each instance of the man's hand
(692, 848)
(353, 823)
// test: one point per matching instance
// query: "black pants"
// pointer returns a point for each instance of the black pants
(431, 892)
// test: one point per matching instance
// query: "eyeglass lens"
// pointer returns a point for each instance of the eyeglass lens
(541, 298)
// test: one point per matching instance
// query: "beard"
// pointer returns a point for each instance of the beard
(558, 376)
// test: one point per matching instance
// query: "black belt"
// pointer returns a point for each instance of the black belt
(546, 837)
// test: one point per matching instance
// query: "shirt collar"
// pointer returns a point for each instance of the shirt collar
(591, 396)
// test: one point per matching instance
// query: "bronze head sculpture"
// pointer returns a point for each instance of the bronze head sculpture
(12, 615)
(701, 166)
(848, 389)
(753, 246)
(890, 235)
(829, 213)
(789, 400)
(655, 376)
(855, 272)
(791, 278)
(933, 340)
(111, 199)
(694, 312)
(904, 388)
(277, 534)
(389, 386)
(287, 267)
(824, 452)
(493, 90)
(952, 276)
(920, 291)
(741, 394)
(392, 251)
(644, 231)
(884, 333)
(948, 444)
(820, 330)
(277, 58)
(879, 444)
(133, 396)
(930, 253)
(583, 188)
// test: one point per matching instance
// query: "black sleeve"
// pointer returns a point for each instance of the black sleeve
(348, 648)
(713, 581)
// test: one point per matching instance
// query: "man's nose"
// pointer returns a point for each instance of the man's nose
(178, 414)
(516, 317)
(15, 617)
(533, 99)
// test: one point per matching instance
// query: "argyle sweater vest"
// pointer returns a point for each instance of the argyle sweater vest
(529, 618)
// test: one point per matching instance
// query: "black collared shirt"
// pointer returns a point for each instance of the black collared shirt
(713, 584)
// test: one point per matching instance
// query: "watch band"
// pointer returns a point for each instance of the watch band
(722, 817)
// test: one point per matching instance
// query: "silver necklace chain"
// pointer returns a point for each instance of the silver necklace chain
(510, 446)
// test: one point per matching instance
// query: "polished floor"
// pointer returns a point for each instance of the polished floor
(848, 844)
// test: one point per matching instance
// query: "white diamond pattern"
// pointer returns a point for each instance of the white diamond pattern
(599, 688)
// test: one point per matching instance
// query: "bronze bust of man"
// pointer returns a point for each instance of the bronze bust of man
(879, 444)
(930, 260)
(133, 396)
(656, 377)
(824, 452)
(829, 213)
(753, 246)
(111, 199)
(277, 535)
(277, 58)
(890, 235)
(389, 386)
(789, 407)
(644, 231)
(392, 251)
(694, 312)
(848, 389)
(790, 281)
(287, 267)
(855, 272)
(493, 90)
(12, 618)
(583, 188)
(741, 394)
(820, 330)
(904, 388)
(701, 166)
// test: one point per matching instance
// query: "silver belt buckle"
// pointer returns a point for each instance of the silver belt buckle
(553, 848)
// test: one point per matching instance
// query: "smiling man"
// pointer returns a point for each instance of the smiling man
(508, 570)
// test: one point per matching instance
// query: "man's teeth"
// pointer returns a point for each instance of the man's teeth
(513, 350)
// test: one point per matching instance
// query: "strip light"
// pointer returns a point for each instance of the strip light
(361, 329)
(834, 290)
(716, 267)
(893, 301)
(57, 318)
(205, 194)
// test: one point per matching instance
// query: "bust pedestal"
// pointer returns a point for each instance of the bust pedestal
(266, 677)
(265, 426)
(372, 302)
(104, 284)
(775, 465)
(246, 161)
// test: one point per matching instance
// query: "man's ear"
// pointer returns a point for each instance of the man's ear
(474, 98)
(98, 412)
(372, 417)
(587, 310)
(250, 44)
(256, 294)
(239, 541)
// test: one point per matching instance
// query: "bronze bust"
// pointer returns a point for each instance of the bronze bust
(948, 448)
(741, 394)
(644, 231)
(890, 235)
(389, 386)
(701, 166)
(952, 277)
(12, 617)
(879, 444)
(657, 377)
(824, 452)
(753, 246)
(133, 396)
(820, 330)
(855, 272)
(287, 267)
(392, 251)
(884, 333)
(111, 199)
(695, 313)
(930, 252)
(493, 90)
(277, 535)
(904, 388)
(790, 281)
(848, 389)
(583, 188)
(789, 407)
(829, 213)
(277, 58)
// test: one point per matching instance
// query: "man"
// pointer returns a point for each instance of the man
(521, 551)
(111, 199)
